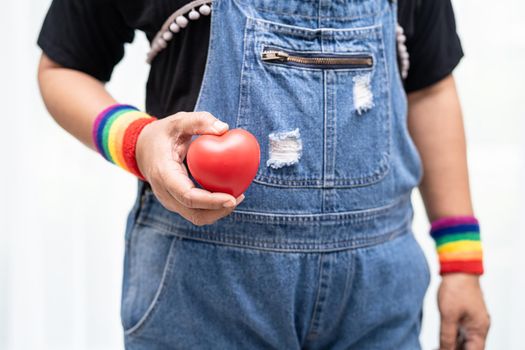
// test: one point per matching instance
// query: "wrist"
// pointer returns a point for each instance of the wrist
(460, 276)
(115, 135)
(458, 245)
(141, 150)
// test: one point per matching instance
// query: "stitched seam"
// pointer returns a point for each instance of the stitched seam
(318, 295)
(389, 123)
(357, 216)
(355, 33)
(363, 16)
(243, 86)
(211, 46)
(334, 127)
(371, 179)
(348, 282)
(350, 244)
(323, 193)
(319, 14)
(324, 279)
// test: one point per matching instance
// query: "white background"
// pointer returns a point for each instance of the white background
(63, 209)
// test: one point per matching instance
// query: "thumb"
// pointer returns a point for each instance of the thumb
(198, 123)
(448, 333)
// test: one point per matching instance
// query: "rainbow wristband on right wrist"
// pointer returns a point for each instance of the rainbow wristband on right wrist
(458, 244)
(115, 133)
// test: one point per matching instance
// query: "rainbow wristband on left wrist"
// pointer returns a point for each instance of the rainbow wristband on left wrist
(458, 244)
(115, 133)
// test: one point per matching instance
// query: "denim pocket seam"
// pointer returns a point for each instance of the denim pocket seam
(366, 180)
(153, 307)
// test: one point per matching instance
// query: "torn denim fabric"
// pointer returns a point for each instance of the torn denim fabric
(285, 148)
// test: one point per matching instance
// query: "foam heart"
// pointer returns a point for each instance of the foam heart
(226, 163)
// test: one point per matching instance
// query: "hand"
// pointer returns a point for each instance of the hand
(160, 152)
(464, 318)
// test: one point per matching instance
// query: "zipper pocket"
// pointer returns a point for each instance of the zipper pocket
(321, 61)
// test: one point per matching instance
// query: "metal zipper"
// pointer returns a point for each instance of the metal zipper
(319, 60)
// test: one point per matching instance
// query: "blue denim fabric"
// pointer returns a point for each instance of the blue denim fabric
(320, 254)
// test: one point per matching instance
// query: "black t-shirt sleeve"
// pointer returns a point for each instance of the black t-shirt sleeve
(434, 46)
(85, 35)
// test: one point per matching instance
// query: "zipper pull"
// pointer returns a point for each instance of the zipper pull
(275, 56)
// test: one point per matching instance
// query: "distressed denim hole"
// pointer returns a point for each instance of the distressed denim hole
(285, 149)
(363, 95)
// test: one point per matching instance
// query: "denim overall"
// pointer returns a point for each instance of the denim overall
(320, 255)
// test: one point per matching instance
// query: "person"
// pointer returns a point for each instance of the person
(352, 111)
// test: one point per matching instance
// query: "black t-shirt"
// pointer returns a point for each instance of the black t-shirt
(89, 36)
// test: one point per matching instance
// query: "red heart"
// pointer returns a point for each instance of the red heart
(226, 163)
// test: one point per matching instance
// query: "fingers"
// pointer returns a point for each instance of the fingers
(448, 333)
(201, 217)
(180, 187)
(198, 217)
(462, 308)
(197, 198)
(198, 123)
(476, 343)
(466, 332)
(476, 328)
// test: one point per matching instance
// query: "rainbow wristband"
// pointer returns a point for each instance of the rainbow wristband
(115, 134)
(458, 244)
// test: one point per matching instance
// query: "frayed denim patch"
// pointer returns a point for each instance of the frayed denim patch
(285, 149)
(363, 95)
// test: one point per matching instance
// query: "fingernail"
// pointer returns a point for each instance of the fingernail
(219, 126)
(241, 198)
(229, 204)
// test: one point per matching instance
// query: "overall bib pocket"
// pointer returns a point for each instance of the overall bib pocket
(318, 102)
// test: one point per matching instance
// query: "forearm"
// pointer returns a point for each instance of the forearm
(436, 126)
(73, 98)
